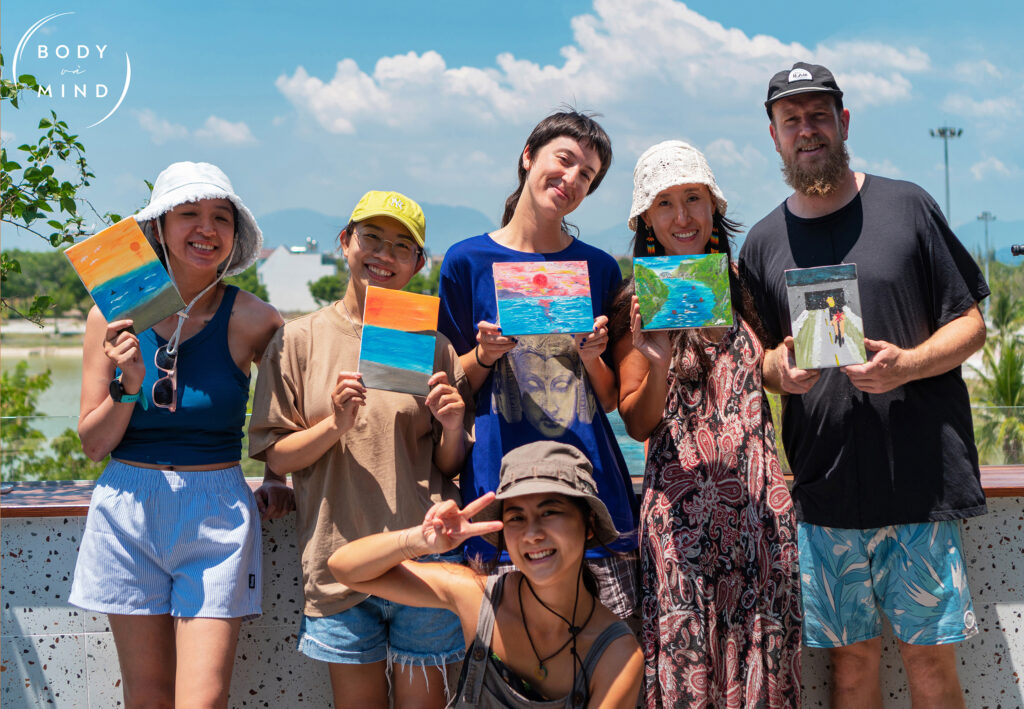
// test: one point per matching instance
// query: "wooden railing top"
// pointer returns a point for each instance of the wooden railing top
(71, 498)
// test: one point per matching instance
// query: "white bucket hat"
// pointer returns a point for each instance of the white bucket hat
(184, 182)
(668, 164)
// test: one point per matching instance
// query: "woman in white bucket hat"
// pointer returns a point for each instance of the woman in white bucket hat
(171, 550)
(718, 545)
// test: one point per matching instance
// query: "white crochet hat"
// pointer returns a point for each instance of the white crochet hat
(184, 182)
(668, 164)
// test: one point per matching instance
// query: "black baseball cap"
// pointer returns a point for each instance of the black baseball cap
(801, 79)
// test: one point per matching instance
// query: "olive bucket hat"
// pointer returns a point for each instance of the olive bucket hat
(550, 466)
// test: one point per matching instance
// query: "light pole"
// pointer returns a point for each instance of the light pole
(986, 217)
(946, 132)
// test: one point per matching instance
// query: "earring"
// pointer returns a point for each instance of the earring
(650, 244)
(713, 242)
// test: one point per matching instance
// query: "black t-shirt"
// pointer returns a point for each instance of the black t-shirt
(869, 460)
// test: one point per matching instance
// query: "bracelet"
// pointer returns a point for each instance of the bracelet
(476, 353)
(403, 544)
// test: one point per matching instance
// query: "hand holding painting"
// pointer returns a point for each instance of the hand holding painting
(593, 344)
(655, 345)
(789, 378)
(491, 345)
(445, 403)
(347, 396)
(121, 346)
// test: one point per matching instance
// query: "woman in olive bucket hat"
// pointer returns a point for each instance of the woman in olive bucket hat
(171, 550)
(548, 641)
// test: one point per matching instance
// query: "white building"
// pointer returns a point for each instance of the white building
(287, 274)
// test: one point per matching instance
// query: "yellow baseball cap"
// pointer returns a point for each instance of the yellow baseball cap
(376, 203)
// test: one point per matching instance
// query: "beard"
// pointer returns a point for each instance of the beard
(819, 180)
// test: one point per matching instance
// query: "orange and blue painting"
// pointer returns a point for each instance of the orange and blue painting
(123, 275)
(397, 348)
(543, 297)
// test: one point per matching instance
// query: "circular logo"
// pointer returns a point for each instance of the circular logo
(72, 65)
(969, 619)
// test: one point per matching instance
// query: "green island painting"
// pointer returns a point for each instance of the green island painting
(683, 291)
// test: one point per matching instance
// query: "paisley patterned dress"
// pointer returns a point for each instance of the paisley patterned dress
(718, 546)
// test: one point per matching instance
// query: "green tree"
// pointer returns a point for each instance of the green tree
(327, 289)
(47, 272)
(249, 280)
(1000, 428)
(23, 451)
(427, 285)
(34, 197)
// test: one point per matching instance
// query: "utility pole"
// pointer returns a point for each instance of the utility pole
(946, 133)
(987, 217)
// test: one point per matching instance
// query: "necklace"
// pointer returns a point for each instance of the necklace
(541, 672)
(348, 313)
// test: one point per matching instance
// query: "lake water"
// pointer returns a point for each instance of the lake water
(689, 304)
(61, 401)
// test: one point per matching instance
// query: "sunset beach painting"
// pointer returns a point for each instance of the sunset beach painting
(123, 275)
(397, 348)
(543, 297)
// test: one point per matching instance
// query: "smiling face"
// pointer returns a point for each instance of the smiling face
(681, 218)
(560, 174)
(545, 535)
(199, 235)
(374, 263)
(810, 136)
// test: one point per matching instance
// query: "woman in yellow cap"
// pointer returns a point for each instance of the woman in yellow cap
(363, 461)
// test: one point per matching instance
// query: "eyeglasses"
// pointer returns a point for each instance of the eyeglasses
(165, 389)
(402, 251)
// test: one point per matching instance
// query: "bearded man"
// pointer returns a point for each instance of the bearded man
(883, 452)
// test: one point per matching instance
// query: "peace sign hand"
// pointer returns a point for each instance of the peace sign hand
(445, 526)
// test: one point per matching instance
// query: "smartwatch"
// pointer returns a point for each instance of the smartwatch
(117, 393)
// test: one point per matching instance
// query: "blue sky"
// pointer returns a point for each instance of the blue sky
(311, 104)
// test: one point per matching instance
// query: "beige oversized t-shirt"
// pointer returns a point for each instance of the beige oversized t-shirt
(379, 476)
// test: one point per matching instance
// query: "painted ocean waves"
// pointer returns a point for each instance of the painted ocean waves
(123, 275)
(824, 309)
(678, 292)
(397, 347)
(543, 297)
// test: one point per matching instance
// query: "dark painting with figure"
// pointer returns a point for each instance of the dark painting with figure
(824, 307)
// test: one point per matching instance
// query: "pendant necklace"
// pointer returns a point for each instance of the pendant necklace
(541, 673)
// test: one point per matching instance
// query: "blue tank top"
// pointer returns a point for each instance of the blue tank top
(212, 397)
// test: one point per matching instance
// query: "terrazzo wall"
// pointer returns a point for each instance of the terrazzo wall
(54, 655)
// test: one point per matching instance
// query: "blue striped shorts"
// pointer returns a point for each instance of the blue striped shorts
(167, 541)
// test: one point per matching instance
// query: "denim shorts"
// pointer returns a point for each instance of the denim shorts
(914, 573)
(378, 630)
(166, 541)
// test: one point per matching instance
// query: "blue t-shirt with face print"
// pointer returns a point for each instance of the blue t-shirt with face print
(539, 390)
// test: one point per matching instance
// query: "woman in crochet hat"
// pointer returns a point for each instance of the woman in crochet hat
(171, 550)
(539, 387)
(718, 547)
(537, 636)
(362, 461)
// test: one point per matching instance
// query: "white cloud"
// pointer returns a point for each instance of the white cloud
(1002, 107)
(214, 129)
(993, 166)
(723, 153)
(218, 129)
(6, 136)
(160, 129)
(885, 167)
(976, 69)
(625, 52)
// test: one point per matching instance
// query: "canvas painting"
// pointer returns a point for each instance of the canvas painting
(543, 297)
(397, 349)
(123, 275)
(677, 292)
(824, 307)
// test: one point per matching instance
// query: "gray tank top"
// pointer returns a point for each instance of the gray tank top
(480, 684)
